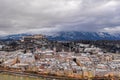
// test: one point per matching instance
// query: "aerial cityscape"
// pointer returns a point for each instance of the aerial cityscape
(59, 39)
(35, 55)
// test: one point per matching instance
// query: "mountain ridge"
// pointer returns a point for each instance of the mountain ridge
(70, 36)
(75, 35)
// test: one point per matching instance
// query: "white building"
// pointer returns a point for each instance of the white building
(26, 58)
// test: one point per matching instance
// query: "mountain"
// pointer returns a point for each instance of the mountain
(13, 37)
(70, 36)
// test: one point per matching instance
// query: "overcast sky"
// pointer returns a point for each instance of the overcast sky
(20, 16)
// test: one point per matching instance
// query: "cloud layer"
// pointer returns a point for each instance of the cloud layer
(19, 16)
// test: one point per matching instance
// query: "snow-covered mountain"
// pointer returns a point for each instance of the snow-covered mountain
(70, 36)
(13, 37)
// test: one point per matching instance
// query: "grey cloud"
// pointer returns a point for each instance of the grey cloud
(19, 16)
